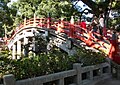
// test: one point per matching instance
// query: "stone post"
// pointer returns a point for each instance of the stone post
(18, 49)
(91, 75)
(25, 41)
(118, 72)
(14, 51)
(101, 71)
(61, 81)
(78, 79)
(9, 79)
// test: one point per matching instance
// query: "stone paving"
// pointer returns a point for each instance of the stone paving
(110, 81)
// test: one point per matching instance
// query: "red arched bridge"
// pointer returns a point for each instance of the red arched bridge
(62, 34)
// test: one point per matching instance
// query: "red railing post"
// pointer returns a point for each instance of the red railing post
(34, 23)
(40, 23)
(62, 23)
(24, 21)
(72, 27)
(48, 21)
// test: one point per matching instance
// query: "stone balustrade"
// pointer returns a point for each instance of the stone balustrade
(88, 75)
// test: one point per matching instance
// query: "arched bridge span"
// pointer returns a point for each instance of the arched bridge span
(63, 33)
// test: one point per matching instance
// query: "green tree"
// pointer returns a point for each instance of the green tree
(41, 8)
(104, 6)
(6, 17)
(115, 8)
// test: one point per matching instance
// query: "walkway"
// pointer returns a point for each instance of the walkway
(110, 81)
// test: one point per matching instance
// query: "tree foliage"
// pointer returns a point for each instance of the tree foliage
(6, 16)
(116, 20)
(105, 6)
(41, 8)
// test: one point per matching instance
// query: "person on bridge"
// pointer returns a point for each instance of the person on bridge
(83, 24)
(101, 24)
(95, 25)
(115, 37)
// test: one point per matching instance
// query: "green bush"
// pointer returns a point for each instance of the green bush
(89, 57)
(43, 64)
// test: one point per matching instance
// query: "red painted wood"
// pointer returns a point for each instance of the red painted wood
(75, 31)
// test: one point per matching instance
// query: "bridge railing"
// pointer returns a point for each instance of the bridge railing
(58, 25)
(72, 30)
(80, 76)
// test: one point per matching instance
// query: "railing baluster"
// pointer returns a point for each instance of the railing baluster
(61, 81)
(77, 67)
(9, 79)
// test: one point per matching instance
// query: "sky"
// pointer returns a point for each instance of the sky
(9, 4)
(13, 0)
(81, 6)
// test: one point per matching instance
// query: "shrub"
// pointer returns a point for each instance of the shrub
(89, 57)
(44, 64)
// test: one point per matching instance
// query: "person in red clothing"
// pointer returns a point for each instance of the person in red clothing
(83, 24)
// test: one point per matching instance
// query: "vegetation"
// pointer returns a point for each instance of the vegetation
(43, 8)
(7, 16)
(57, 60)
(105, 6)
(53, 62)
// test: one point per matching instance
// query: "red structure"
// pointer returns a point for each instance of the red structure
(104, 43)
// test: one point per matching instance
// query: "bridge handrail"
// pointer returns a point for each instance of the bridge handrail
(66, 27)
(72, 30)
(29, 23)
(42, 22)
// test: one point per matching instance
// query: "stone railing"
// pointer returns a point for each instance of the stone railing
(88, 75)
(115, 68)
